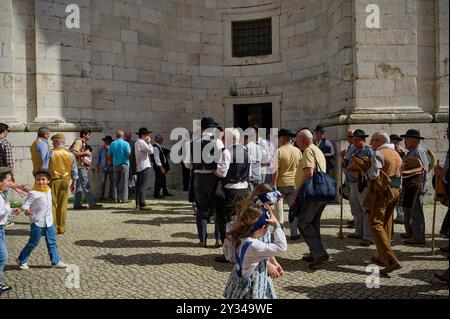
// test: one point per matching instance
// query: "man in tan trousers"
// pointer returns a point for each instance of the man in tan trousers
(63, 168)
(384, 184)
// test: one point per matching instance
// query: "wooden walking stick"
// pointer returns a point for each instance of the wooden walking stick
(434, 214)
(341, 234)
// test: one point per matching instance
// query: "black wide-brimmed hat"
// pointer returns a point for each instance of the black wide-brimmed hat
(43, 172)
(360, 133)
(285, 132)
(395, 137)
(143, 131)
(208, 122)
(319, 129)
(412, 133)
(107, 138)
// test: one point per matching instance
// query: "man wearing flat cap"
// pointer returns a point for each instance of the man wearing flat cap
(63, 167)
(414, 217)
(325, 146)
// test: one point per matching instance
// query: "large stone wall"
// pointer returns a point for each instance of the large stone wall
(162, 63)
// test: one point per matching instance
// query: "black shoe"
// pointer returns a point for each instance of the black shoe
(397, 221)
(221, 259)
(308, 258)
(317, 262)
(294, 238)
(168, 194)
(5, 289)
(444, 234)
(157, 196)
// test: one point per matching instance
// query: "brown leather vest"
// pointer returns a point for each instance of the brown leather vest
(392, 162)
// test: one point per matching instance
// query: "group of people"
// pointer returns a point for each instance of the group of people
(243, 182)
(59, 171)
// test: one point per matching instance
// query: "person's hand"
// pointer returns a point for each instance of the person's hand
(163, 171)
(27, 212)
(22, 190)
(272, 220)
(280, 270)
(72, 187)
(272, 270)
(16, 211)
(88, 153)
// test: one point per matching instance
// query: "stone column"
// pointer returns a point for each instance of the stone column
(7, 102)
(385, 65)
(441, 16)
(63, 67)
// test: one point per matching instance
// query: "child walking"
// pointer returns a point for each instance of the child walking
(249, 278)
(5, 212)
(38, 206)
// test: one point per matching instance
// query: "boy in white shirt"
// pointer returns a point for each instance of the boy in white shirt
(38, 206)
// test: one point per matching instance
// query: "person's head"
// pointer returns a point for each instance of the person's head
(359, 138)
(159, 139)
(6, 179)
(304, 138)
(107, 141)
(127, 136)
(411, 143)
(251, 222)
(349, 136)
(320, 132)
(144, 134)
(120, 134)
(4, 130)
(44, 132)
(258, 190)
(245, 139)
(379, 138)
(395, 139)
(42, 178)
(86, 134)
(58, 140)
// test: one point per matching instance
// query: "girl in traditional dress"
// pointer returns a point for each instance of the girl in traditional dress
(250, 278)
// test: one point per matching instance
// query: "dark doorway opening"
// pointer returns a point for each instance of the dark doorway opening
(246, 115)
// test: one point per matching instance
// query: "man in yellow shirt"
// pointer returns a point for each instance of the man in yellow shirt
(286, 160)
(63, 168)
(311, 211)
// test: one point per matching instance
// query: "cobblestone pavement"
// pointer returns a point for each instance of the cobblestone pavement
(124, 253)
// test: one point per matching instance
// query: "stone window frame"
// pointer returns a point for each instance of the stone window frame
(246, 14)
(275, 99)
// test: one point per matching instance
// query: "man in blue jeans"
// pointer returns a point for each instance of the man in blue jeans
(120, 151)
(84, 158)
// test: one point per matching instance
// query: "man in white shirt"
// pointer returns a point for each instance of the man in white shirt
(142, 150)
(258, 156)
(234, 169)
(161, 166)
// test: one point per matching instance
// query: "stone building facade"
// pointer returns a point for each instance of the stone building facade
(162, 63)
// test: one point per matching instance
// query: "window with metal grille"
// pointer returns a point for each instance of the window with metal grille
(252, 38)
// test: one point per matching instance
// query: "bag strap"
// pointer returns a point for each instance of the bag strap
(240, 260)
(318, 169)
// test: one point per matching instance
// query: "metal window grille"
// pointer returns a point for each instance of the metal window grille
(252, 38)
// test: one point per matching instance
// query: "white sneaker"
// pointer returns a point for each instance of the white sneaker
(60, 265)
(22, 266)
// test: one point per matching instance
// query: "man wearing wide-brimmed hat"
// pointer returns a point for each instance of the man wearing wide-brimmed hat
(203, 180)
(63, 167)
(414, 217)
(285, 163)
(358, 188)
(325, 146)
(142, 150)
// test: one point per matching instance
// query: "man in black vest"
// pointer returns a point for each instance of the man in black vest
(234, 170)
(161, 167)
(203, 164)
(325, 146)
